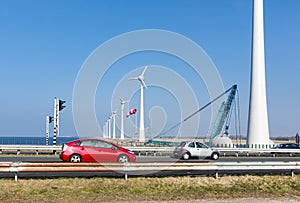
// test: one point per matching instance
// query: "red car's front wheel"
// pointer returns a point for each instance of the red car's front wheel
(123, 158)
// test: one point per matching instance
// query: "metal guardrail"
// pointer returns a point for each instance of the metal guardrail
(150, 150)
(29, 148)
(223, 151)
(258, 152)
(147, 168)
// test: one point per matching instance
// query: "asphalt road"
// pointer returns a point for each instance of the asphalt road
(52, 158)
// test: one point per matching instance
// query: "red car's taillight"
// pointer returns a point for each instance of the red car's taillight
(64, 147)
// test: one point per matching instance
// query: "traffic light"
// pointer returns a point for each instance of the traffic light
(61, 105)
(297, 138)
(50, 119)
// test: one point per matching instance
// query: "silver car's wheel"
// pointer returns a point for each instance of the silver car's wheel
(123, 158)
(215, 156)
(75, 158)
(186, 156)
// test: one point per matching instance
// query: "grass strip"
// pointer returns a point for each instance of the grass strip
(147, 188)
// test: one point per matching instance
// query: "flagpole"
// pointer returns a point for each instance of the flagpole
(136, 126)
(131, 112)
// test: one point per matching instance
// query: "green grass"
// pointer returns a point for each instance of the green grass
(147, 189)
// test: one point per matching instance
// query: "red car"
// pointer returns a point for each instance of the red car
(95, 150)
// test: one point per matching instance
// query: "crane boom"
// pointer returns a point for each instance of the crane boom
(222, 115)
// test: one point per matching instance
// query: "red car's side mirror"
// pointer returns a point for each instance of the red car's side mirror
(114, 148)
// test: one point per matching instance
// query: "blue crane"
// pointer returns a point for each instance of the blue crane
(222, 116)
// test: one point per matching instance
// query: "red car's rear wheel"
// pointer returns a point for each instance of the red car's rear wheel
(75, 158)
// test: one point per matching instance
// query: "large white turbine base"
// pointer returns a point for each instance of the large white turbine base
(122, 121)
(142, 126)
(258, 127)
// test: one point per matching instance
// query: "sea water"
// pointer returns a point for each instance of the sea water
(34, 140)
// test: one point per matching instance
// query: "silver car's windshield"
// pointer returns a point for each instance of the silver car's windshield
(201, 145)
(182, 144)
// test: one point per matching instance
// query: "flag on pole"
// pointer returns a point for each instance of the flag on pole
(132, 111)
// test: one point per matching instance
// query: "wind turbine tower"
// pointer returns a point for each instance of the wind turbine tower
(258, 127)
(109, 127)
(141, 78)
(114, 124)
(122, 118)
(103, 131)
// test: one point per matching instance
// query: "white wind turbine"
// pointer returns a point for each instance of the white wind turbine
(141, 78)
(122, 117)
(114, 113)
(103, 130)
(109, 127)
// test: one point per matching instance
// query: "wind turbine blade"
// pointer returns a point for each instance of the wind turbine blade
(143, 83)
(136, 78)
(144, 70)
(123, 101)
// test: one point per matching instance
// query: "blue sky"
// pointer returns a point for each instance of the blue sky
(43, 45)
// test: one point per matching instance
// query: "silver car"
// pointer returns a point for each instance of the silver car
(189, 149)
